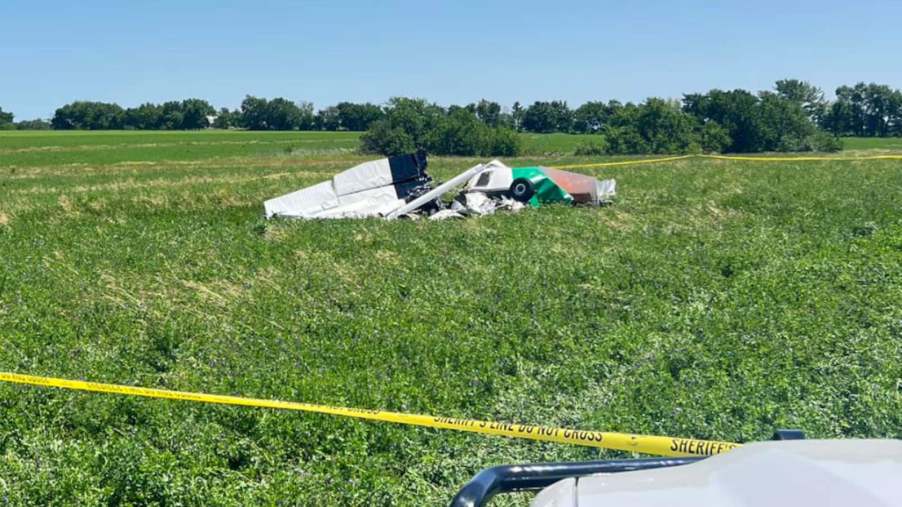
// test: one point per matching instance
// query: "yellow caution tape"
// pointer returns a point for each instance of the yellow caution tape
(647, 444)
(626, 162)
(769, 158)
(763, 158)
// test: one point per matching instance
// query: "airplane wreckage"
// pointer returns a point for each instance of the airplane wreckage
(399, 186)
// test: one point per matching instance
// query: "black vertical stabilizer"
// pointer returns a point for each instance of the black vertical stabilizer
(408, 174)
(408, 167)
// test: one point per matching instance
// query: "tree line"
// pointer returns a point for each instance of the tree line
(411, 124)
(793, 116)
(867, 110)
(864, 110)
(255, 113)
(783, 119)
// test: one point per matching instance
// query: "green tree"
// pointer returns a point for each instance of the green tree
(768, 121)
(306, 119)
(540, 118)
(6, 119)
(283, 114)
(656, 126)
(783, 124)
(36, 124)
(328, 119)
(488, 112)
(383, 138)
(254, 113)
(412, 124)
(865, 110)
(187, 114)
(171, 115)
(736, 111)
(144, 117)
(517, 116)
(225, 119)
(624, 140)
(195, 113)
(416, 117)
(850, 102)
(276, 114)
(665, 128)
(460, 133)
(624, 115)
(405, 127)
(592, 116)
(505, 142)
(809, 97)
(84, 115)
(358, 117)
(713, 138)
(879, 109)
(545, 117)
(894, 121)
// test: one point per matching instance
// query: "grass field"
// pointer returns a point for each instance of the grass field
(873, 143)
(714, 299)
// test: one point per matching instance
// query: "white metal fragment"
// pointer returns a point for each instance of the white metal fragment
(437, 192)
(445, 214)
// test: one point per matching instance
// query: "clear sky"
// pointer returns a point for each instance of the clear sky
(130, 52)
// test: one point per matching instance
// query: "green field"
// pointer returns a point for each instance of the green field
(872, 143)
(714, 299)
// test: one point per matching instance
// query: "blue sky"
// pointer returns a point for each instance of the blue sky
(130, 52)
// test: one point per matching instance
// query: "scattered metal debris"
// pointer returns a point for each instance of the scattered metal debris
(399, 186)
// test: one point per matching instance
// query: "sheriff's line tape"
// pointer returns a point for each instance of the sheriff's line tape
(769, 158)
(763, 158)
(626, 162)
(646, 444)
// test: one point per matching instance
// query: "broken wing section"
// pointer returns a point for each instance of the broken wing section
(373, 188)
(399, 170)
(303, 203)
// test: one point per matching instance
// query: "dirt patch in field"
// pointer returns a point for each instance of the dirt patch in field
(388, 257)
(67, 205)
(220, 293)
(275, 234)
(618, 220)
